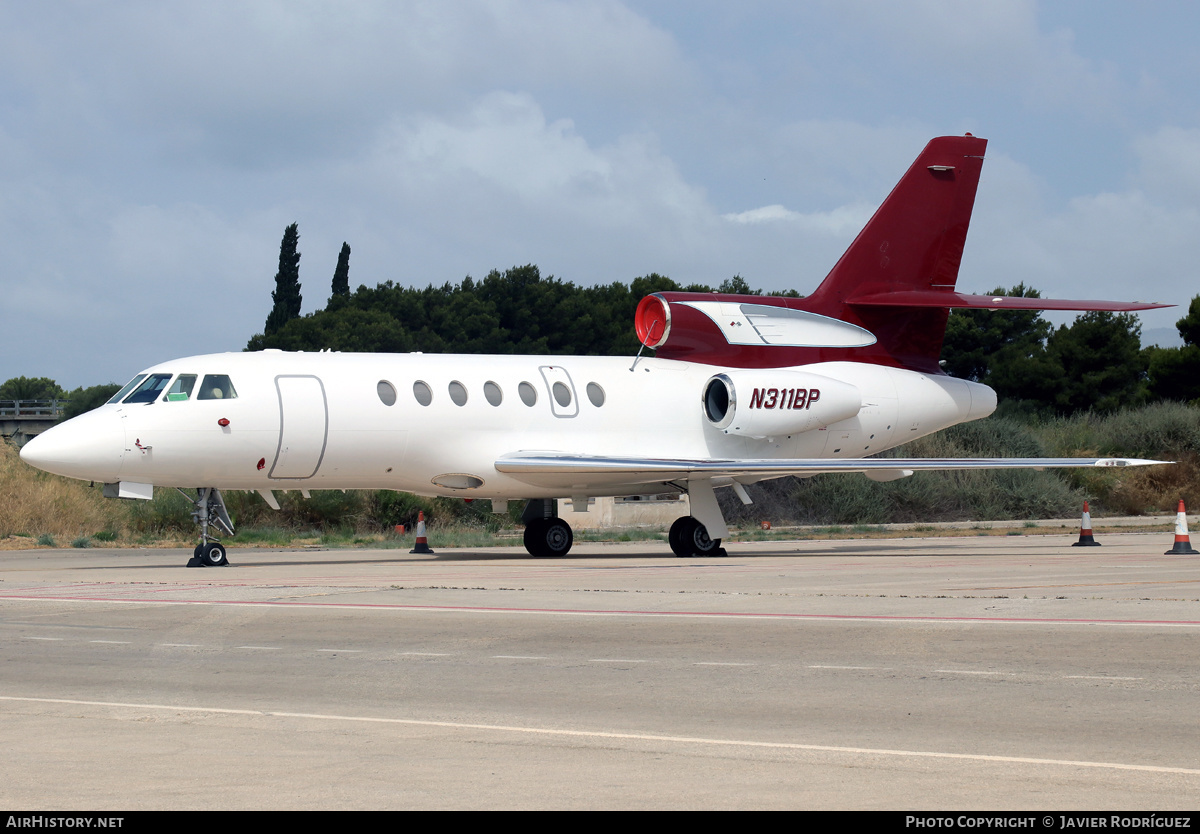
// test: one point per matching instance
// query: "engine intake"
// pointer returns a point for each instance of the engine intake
(773, 403)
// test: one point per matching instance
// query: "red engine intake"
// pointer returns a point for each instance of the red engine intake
(652, 321)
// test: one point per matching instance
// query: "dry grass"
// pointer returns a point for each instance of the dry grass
(37, 504)
(1155, 489)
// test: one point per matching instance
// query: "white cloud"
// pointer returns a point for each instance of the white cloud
(1169, 164)
(840, 221)
(997, 45)
(151, 154)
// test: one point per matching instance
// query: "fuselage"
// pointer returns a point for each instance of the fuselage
(436, 424)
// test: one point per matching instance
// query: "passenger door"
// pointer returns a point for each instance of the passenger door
(303, 427)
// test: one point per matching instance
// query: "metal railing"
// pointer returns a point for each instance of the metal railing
(32, 409)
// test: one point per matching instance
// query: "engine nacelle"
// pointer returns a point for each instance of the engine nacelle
(771, 403)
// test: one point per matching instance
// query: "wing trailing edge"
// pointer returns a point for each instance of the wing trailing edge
(545, 469)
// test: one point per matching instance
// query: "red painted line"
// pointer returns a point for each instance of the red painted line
(614, 611)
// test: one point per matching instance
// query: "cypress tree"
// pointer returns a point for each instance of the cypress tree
(287, 283)
(341, 275)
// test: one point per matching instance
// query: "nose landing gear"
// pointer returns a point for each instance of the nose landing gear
(210, 512)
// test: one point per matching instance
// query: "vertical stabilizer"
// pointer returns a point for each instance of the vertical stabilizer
(914, 241)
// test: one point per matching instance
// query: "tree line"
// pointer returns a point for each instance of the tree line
(1096, 363)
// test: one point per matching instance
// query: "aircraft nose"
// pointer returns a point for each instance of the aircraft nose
(89, 447)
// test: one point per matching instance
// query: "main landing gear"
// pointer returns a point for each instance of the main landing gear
(210, 512)
(546, 536)
(688, 537)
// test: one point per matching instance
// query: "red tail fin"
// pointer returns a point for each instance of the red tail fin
(914, 242)
(886, 301)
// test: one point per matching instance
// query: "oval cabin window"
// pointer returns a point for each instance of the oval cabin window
(528, 394)
(386, 391)
(422, 392)
(595, 394)
(492, 393)
(562, 394)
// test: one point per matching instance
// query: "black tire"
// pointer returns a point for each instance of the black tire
(688, 537)
(548, 538)
(534, 537)
(214, 555)
(677, 534)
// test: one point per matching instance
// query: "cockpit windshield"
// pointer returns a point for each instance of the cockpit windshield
(129, 386)
(146, 388)
(149, 390)
(182, 389)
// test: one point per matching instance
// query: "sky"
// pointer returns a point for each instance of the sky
(152, 153)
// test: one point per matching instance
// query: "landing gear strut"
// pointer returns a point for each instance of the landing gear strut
(210, 512)
(545, 535)
(688, 537)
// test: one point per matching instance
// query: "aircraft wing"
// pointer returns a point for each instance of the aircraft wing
(555, 469)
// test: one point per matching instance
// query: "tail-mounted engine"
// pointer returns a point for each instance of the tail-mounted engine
(742, 330)
(773, 403)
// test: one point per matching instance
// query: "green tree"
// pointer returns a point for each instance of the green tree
(995, 347)
(1175, 372)
(737, 286)
(30, 388)
(286, 295)
(1103, 366)
(341, 275)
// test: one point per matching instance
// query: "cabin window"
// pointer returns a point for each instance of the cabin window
(216, 387)
(528, 394)
(595, 394)
(129, 386)
(492, 393)
(422, 392)
(458, 393)
(149, 390)
(386, 392)
(182, 389)
(562, 394)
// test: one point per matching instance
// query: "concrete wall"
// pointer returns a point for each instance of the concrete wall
(624, 512)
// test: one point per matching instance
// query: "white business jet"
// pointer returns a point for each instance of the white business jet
(740, 389)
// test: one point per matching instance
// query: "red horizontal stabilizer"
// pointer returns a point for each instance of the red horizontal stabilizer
(945, 300)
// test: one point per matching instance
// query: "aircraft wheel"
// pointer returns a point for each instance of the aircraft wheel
(689, 537)
(213, 555)
(548, 538)
(676, 536)
(558, 538)
(534, 537)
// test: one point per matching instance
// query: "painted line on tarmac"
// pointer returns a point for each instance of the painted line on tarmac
(617, 612)
(595, 734)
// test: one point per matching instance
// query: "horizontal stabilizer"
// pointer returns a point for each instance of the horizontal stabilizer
(962, 300)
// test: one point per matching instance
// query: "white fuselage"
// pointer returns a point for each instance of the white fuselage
(323, 421)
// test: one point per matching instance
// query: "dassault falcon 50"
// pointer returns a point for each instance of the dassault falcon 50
(739, 389)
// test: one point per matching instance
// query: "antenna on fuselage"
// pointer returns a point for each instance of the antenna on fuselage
(649, 338)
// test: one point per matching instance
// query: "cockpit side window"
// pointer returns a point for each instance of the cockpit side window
(216, 387)
(149, 390)
(182, 389)
(129, 386)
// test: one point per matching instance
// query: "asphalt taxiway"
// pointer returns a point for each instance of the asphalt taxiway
(977, 672)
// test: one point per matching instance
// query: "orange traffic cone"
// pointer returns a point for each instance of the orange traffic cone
(422, 545)
(1183, 544)
(1085, 530)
